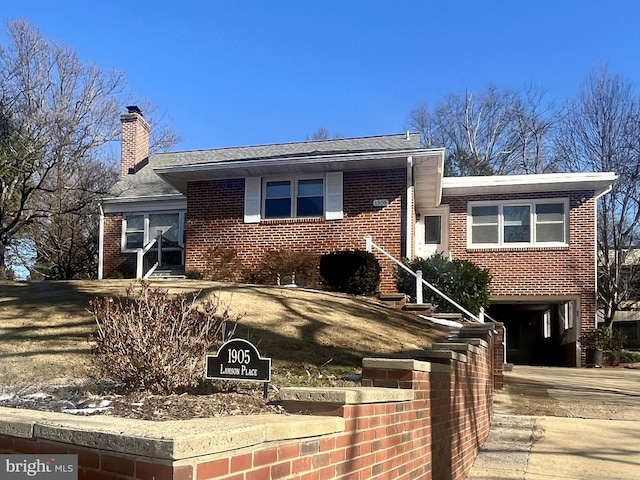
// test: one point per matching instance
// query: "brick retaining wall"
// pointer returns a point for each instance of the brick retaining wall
(419, 418)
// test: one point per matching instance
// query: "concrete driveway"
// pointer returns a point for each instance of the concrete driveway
(564, 423)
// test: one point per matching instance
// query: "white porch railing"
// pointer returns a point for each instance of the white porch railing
(140, 253)
(370, 245)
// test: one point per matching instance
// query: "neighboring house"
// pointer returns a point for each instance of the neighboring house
(535, 233)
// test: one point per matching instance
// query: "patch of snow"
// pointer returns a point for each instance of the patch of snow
(85, 411)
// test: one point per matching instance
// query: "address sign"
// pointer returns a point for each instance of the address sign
(239, 360)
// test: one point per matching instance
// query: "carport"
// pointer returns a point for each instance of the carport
(539, 331)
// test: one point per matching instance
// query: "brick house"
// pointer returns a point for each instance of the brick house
(535, 233)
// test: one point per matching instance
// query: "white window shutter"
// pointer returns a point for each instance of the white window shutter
(334, 209)
(252, 199)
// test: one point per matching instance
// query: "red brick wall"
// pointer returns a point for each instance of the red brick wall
(215, 211)
(113, 258)
(434, 433)
(521, 272)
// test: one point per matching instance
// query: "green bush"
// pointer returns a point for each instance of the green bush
(115, 275)
(351, 271)
(602, 338)
(283, 265)
(193, 274)
(460, 280)
(152, 342)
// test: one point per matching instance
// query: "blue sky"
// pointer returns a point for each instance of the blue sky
(251, 72)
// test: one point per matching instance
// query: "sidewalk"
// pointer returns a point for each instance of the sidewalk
(542, 447)
(545, 448)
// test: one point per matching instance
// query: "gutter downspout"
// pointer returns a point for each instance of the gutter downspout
(100, 242)
(409, 236)
(595, 241)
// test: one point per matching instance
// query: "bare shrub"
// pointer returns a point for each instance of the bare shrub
(221, 264)
(287, 265)
(153, 342)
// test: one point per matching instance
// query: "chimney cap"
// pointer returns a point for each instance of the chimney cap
(134, 109)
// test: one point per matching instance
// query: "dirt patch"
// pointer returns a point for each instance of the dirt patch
(74, 400)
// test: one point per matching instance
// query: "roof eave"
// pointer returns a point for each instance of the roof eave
(180, 175)
(600, 183)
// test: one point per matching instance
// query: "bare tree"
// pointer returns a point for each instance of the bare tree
(323, 134)
(58, 118)
(494, 133)
(601, 132)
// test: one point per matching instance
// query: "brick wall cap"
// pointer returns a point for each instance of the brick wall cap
(345, 395)
(478, 342)
(396, 364)
(440, 354)
(173, 440)
(463, 347)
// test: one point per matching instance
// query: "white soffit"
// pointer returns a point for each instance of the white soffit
(599, 182)
(427, 179)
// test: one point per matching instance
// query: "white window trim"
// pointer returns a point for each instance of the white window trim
(533, 224)
(123, 240)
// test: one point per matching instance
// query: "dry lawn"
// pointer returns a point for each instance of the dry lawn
(45, 328)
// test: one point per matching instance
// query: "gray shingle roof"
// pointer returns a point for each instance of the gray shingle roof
(145, 182)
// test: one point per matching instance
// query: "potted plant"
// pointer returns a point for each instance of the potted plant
(596, 341)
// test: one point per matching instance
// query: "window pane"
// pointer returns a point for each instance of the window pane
(277, 208)
(517, 224)
(278, 189)
(485, 215)
(550, 232)
(134, 240)
(135, 222)
(550, 212)
(484, 234)
(167, 223)
(432, 229)
(484, 223)
(309, 207)
(310, 188)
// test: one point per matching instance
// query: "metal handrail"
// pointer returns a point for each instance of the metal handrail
(369, 247)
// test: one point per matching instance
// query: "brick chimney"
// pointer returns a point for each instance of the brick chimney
(135, 140)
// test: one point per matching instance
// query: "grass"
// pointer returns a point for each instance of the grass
(311, 336)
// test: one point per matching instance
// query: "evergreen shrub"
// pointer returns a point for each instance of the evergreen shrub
(351, 271)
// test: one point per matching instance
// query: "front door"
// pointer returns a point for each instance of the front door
(432, 232)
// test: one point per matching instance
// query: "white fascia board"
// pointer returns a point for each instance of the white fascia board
(598, 181)
(144, 204)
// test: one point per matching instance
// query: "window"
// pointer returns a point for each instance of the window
(140, 228)
(484, 224)
(433, 230)
(518, 223)
(134, 232)
(550, 222)
(310, 198)
(277, 202)
(546, 324)
(297, 197)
